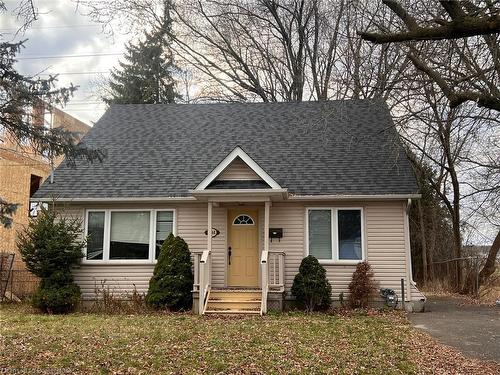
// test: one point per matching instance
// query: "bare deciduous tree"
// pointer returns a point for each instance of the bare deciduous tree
(272, 50)
(451, 141)
(467, 26)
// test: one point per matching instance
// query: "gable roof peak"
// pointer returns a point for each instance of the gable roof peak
(237, 152)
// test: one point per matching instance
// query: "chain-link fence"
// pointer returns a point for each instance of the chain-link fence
(22, 284)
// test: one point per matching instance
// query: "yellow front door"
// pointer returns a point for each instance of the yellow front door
(243, 243)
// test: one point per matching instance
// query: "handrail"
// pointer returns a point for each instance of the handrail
(204, 256)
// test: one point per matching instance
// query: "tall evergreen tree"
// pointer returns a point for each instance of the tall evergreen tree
(145, 77)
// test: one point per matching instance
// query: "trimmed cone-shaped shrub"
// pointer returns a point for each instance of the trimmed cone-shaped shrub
(311, 287)
(172, 281)
(362, 286)
(50, 246)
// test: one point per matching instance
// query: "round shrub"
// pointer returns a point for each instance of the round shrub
(310, 286)
(50, 246)
(172, 281)
(57, 294)
(362, 286)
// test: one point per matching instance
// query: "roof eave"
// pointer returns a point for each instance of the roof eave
(352, 197)
(114, 199)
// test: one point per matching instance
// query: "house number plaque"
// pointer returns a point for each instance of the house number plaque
(215, 232)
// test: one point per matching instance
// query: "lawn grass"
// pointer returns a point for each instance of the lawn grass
(190, 344)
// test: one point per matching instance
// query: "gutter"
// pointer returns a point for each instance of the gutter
(353, 197)
(116, 199)
(231, 192)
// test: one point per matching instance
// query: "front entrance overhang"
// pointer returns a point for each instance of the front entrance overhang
(240, 195)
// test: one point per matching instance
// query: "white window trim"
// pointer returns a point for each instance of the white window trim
(107, 234)
(335, 243)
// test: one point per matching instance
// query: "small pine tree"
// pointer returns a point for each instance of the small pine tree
(50, 246)
(146, 75)
(172, 281)
(310, 286)
(362, 286)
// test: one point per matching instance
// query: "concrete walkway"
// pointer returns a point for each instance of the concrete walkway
(474, 330)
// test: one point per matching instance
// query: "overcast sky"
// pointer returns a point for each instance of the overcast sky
(62, 31)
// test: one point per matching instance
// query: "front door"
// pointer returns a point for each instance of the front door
(243, 248)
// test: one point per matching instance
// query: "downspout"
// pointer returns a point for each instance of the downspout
(409, 275)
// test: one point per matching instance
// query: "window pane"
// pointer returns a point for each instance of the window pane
(95, 231)
(320, 234)
(350, 234)
(129, 237)
(164, 226)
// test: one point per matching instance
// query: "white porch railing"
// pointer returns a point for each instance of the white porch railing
(202, 277)
(264, 271)
(272, 266)
(196, 255)
(276, 276)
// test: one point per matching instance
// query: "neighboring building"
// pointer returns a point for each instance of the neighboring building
(271, 183)
(22, 172)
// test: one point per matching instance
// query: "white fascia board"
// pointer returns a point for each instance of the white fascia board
(353, 197)
(237, 152)
(238, 191)
(125, 199)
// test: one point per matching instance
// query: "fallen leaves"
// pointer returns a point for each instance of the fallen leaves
(351, 342)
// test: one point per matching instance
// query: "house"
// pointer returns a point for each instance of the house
(253, 188)
(22, 171)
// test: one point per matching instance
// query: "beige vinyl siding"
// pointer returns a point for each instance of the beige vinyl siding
(384, 236)
(238, 170)
(385, 245)
(191, 225)
(119, 280)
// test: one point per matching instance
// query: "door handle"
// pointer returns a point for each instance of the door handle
(229, 254)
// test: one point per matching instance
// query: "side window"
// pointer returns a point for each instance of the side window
(95, 233)
(320, 233)
(349, 234)
(164, 226)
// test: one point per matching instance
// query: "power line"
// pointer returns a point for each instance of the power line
(66, 56)
(72, 73)
(50, 27)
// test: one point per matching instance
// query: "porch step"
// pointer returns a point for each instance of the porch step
(234, 301)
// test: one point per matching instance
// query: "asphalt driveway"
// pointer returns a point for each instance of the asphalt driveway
(474, 330)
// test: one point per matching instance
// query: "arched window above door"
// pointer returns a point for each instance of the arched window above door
(243, 220)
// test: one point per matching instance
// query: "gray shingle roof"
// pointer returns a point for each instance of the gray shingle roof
(311, 148)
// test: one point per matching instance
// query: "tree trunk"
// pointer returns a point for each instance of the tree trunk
(423, 241)
(490, 265)
(457, 251)
(432, 248)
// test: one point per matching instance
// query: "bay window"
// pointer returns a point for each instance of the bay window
(335, 235)
(127, 235)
